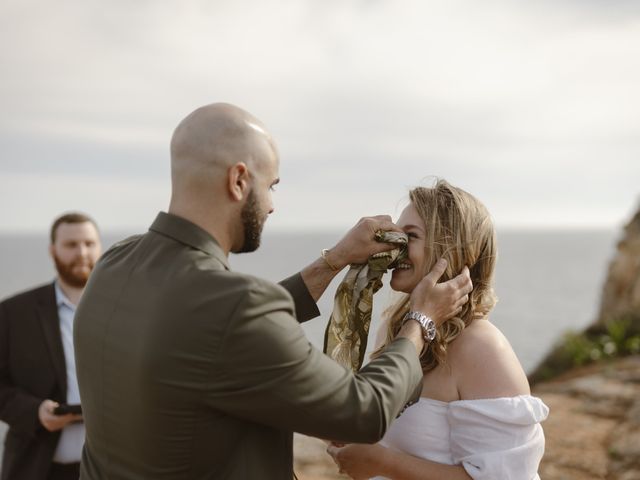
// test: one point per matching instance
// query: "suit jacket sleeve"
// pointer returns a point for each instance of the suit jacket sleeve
(18, 408)
(305, 306)
(269, 373)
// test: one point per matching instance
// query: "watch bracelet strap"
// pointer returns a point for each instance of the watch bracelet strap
(420, 317)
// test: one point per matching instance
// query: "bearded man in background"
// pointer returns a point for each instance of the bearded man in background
(37, 361)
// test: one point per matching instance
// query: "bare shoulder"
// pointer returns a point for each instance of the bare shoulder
(485, 365)
(481, 338)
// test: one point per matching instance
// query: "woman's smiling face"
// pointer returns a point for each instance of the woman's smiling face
(413, 269)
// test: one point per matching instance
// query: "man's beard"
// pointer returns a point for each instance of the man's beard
(252, 224)
(69, 276)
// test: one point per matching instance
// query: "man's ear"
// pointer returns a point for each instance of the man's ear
(238, 181)
(51, 250)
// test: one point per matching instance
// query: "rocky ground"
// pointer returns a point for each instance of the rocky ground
(593, 430)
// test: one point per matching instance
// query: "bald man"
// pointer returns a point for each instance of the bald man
(188, 370)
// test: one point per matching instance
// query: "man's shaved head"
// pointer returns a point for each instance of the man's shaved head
(211, 139)
(224, 164)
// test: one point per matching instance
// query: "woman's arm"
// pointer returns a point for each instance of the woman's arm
(366, 461)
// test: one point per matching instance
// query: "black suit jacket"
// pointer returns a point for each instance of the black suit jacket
(32, 368)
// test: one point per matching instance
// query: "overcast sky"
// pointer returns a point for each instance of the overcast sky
(532, 106)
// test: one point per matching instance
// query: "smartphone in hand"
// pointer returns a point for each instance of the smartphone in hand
(65, 408)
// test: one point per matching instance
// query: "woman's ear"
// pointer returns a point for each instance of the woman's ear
(238, 181)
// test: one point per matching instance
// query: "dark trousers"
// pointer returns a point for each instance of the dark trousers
(67, 471)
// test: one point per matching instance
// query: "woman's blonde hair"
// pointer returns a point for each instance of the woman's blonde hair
(459, 229)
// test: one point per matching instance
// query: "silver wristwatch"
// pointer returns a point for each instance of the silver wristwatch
(428, 325)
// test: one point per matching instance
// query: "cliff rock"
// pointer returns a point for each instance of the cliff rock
(621, 292)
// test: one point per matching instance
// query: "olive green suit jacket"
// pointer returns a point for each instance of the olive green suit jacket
(188, 370)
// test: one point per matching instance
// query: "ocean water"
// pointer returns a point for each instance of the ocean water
(547, 281)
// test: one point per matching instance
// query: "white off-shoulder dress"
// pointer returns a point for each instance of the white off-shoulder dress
(496, 438)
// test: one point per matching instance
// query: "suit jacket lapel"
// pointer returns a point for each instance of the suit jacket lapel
(48, 315)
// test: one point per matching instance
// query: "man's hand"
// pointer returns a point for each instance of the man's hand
(356, 246)
(54, 422)
(359, 243)
(441, 301)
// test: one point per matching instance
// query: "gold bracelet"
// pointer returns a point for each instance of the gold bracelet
(323, 254)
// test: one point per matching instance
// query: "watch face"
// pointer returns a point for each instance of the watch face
(431, 330)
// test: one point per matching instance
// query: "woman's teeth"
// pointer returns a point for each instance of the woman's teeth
(403, 266)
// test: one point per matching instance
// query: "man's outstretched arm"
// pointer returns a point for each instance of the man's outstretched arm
(266, 355)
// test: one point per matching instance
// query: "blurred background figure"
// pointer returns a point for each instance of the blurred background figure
(37, 363)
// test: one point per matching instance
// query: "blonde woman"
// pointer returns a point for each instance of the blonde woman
(475, 418)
